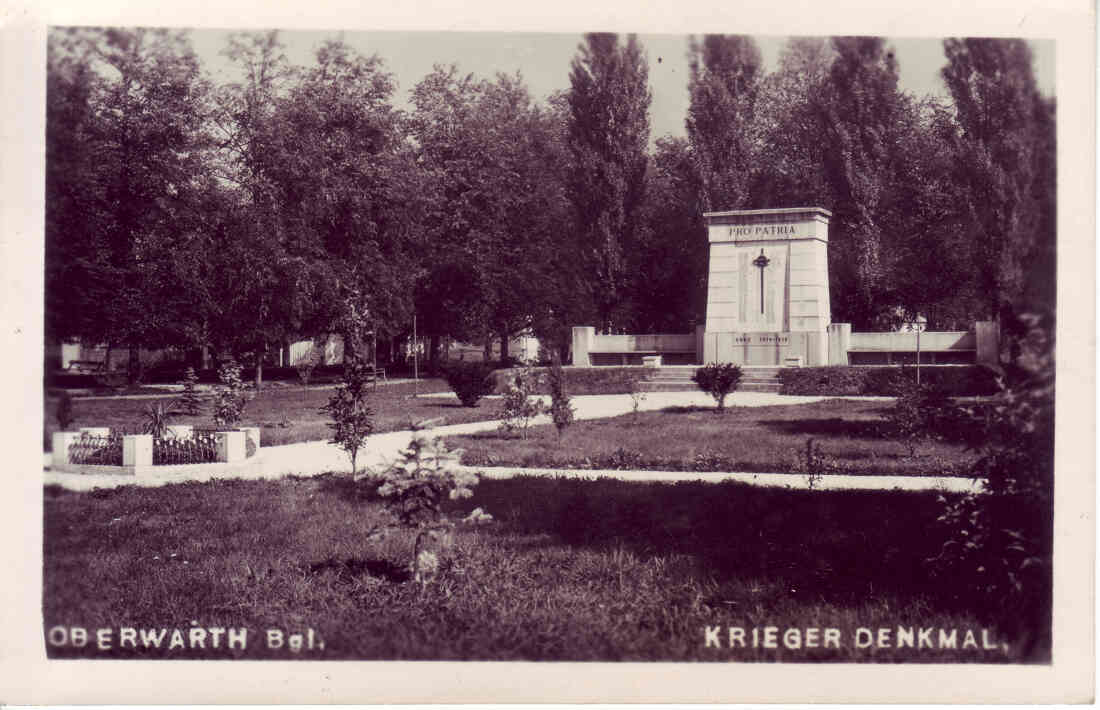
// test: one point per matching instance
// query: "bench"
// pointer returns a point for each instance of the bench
(85, 367)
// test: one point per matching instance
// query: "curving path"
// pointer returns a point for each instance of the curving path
(314, 457)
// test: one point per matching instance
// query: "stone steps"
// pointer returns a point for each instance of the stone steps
(678, 379)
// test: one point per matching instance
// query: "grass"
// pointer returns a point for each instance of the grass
(288, 414)
(848, 433)
(570, 570)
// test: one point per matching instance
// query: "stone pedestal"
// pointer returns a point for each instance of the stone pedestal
(137, 450)
(582, 345)
(61, 441)
(253, 433)
(987, 344)
(768, 286)
(840, 340)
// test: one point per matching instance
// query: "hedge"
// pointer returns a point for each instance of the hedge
(579, 380)
(952, 380)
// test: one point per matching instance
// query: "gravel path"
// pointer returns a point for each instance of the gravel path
(314, 457)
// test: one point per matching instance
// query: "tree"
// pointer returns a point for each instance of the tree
(497, 207)
(668, 287)
(724, 82)
(608, 133)
(125, 142)
(1004, 153)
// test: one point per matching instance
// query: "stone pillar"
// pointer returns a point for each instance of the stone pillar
(987, 343)
(137, 450)
(840, 340)
(583, 336)
(230, 445)
(62, 440)
(253, 433)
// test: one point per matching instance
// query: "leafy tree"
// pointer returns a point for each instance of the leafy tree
(724, 82)
(608, 131)
(351, 416)
(497, 204)
(1004, 153)
(668, 287)
(125, 141)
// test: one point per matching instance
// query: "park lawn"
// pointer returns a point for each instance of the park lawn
(569, 570)
(849, 433)
(289, 414)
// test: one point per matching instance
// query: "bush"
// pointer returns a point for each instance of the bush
(229, 396)
(469, 380)
(952, 380)
(578, 380)
(561, 410)
(64, 413)
(351, 417)
(718, 380)
(920, 413)
(999, 542)
(519, 405)
(427, 473)
(190, 400)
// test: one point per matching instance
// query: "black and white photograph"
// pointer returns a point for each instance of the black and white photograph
(615, 358)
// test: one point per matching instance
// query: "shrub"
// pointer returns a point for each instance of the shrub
(64, 412)
(561, 410)
(351, 417)
(953, 380)
(229, 395)
(999, 542)
(519, 405)
(157, 417)
(637, 396)
(718, 380)
(469, 380)
(917, 414)
(190, 400)
(427, 473)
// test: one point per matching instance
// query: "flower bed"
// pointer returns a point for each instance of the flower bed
(183, 448)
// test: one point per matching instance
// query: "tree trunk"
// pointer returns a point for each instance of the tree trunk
(503, 346)
(133, 370)
(260, 367)
(487, 352)
(433, 354)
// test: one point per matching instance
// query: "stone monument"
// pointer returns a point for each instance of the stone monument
(768, 287)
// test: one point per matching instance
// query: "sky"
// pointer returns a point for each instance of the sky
(543, 60)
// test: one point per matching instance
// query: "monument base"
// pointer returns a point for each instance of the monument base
(765, 349)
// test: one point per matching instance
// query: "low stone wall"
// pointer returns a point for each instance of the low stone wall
(137, 453)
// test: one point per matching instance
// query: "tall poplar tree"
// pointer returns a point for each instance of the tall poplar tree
(1004, 154)
(609, 101)
(723, 85)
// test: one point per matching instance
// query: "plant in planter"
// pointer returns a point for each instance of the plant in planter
(157, 418)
